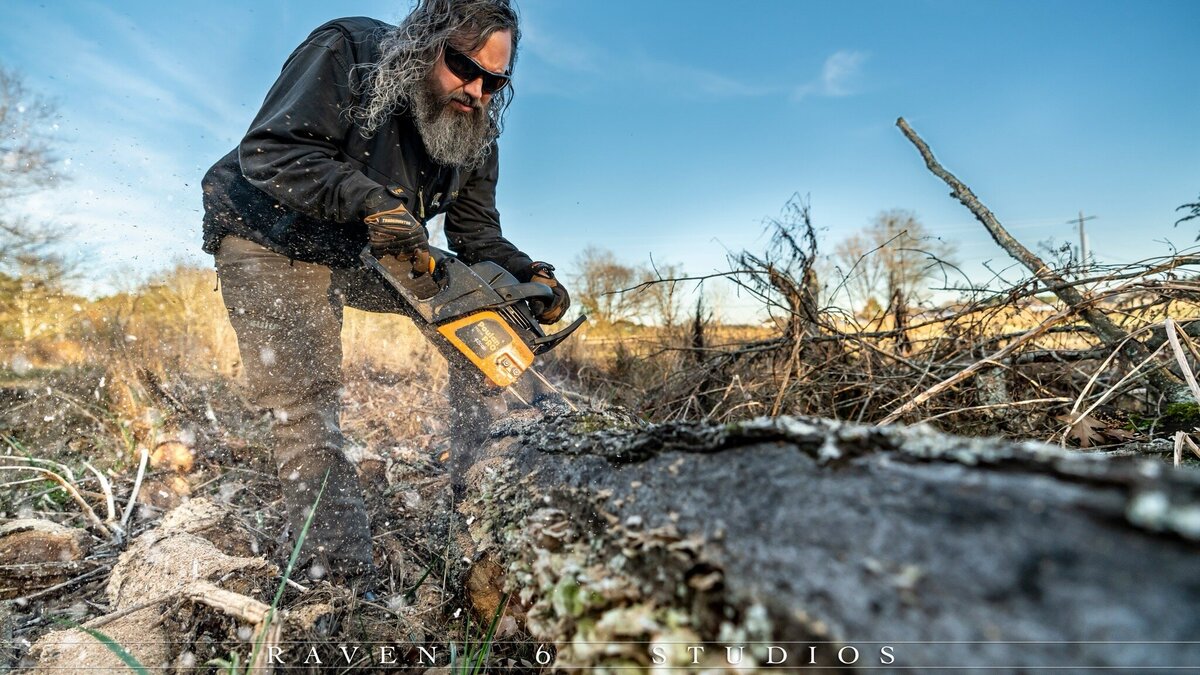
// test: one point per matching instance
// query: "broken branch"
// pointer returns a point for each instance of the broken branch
(1112, 335)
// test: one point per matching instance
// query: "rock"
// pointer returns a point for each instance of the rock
(26, 541)
(165, 492)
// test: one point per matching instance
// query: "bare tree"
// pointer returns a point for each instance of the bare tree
(31, 270)
(40, 278)
(663, 304)
(27, 156)
(598, 278)
(610, 291)
(888, 266)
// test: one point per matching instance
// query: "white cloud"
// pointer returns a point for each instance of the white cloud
(188, 91)
(585, 62)
(838, 77)
(690, 79)
(840, 70)
(560, 52)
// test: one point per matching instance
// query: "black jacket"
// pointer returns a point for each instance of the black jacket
(304, 177)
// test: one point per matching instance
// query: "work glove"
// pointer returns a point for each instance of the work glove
(543, 273)
(396, 232)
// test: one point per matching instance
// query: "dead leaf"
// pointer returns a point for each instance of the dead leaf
(1085, 429)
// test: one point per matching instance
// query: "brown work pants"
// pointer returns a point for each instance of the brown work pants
(288, 319)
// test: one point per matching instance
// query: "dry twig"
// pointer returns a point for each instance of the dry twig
(972, 369)
(67, 485)
(137, 486)
(1181, 358)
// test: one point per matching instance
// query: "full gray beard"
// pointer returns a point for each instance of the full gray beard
(453, 138)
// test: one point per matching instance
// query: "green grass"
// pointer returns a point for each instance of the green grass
(312, 512)
(474, 659)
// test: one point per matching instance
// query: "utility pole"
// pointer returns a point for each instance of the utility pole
(1083, 247)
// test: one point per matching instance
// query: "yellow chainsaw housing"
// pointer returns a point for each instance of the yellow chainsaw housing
(491, 344)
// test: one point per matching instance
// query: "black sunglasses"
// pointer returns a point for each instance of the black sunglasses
(468, 69)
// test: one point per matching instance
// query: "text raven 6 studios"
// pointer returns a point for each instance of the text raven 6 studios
(659, 654)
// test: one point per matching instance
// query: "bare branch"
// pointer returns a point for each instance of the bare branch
(1109, 332)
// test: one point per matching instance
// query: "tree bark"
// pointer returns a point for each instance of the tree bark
(803, 533)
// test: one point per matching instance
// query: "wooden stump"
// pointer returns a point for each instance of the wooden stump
(183, 560)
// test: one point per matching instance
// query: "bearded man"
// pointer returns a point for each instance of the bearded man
(370, 131)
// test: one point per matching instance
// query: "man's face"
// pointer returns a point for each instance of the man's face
(468, 97)
(452, 115)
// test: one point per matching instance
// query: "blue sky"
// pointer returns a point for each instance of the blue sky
(672, 129)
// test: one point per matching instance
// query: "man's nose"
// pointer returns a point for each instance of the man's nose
(474, 88)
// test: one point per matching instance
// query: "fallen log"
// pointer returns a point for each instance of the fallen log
(814, 542)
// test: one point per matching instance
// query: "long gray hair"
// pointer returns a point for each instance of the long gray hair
(408, 54)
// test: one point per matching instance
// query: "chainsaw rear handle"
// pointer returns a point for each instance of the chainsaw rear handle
(529, 290)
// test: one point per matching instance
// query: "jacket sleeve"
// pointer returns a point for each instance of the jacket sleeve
(473, 223)
(292, 150)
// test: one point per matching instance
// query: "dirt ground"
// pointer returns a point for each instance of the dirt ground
(208, 445)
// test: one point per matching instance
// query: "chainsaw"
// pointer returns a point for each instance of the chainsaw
(482, 310)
